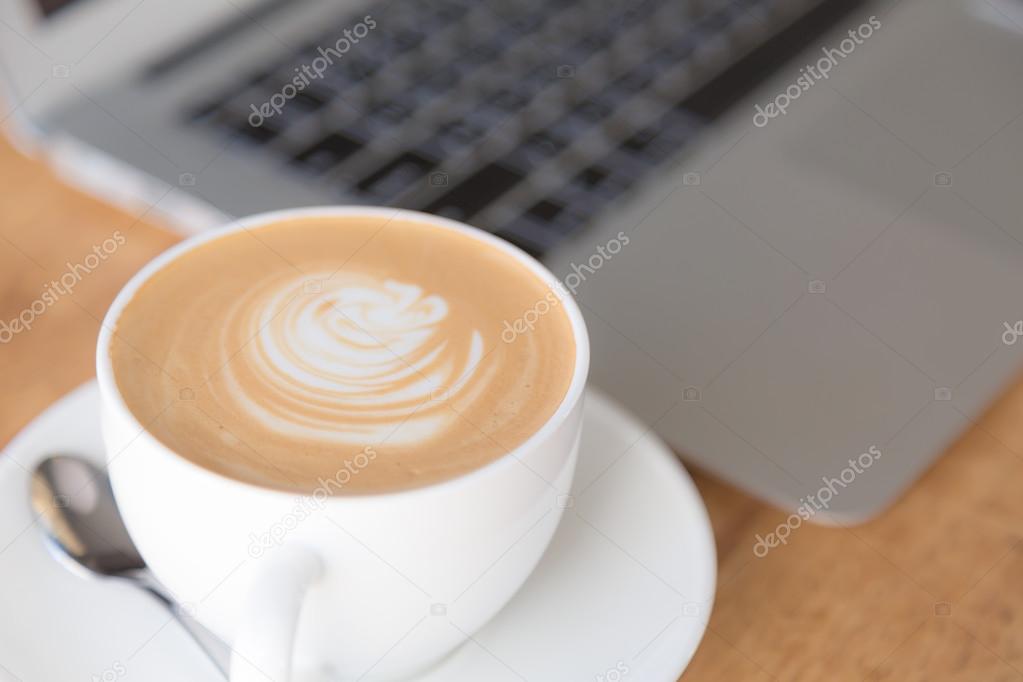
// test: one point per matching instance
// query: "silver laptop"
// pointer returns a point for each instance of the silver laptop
(794, 225)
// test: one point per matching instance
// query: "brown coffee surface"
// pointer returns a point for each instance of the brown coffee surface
(345, 354)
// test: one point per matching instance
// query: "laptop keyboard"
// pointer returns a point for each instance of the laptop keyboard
(522, 117)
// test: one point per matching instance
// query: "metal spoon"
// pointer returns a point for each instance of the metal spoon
(76, 504)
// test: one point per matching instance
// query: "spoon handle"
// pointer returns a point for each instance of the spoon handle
(215, 648)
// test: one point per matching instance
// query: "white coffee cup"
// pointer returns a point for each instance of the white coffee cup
(374, 587)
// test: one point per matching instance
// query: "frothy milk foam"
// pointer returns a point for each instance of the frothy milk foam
(282, 354)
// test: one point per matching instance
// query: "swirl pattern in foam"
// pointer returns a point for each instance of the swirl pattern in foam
(277, 355)
(348, 359)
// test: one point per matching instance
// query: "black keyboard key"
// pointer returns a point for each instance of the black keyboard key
(257, 78)
(396, 175)
(475, 193)
(657, 143)
(328, 152)
(311, 99)
(639, 142)
(547, 222)
(260, 134)
(409, 39)
(592, 176)
(664, 139)
(635, 81)
(536, 235)
(609, 178)
(547, 141)
(545, 210)
(577, 207)
(594, 110)
(356, 70)
(207, 112)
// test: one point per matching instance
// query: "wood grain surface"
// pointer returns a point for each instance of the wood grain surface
(933, 590)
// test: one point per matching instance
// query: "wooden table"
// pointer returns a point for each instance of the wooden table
(931, 591)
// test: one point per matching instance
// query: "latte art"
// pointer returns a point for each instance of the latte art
(276, 355)
(348, 359)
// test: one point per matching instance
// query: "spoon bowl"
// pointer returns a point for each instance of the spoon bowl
(84, 529)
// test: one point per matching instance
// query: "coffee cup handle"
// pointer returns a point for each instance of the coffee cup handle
(264, 641)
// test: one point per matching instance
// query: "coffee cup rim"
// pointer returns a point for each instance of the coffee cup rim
(111, 394)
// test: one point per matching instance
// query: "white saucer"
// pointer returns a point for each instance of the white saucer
(626, 586)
